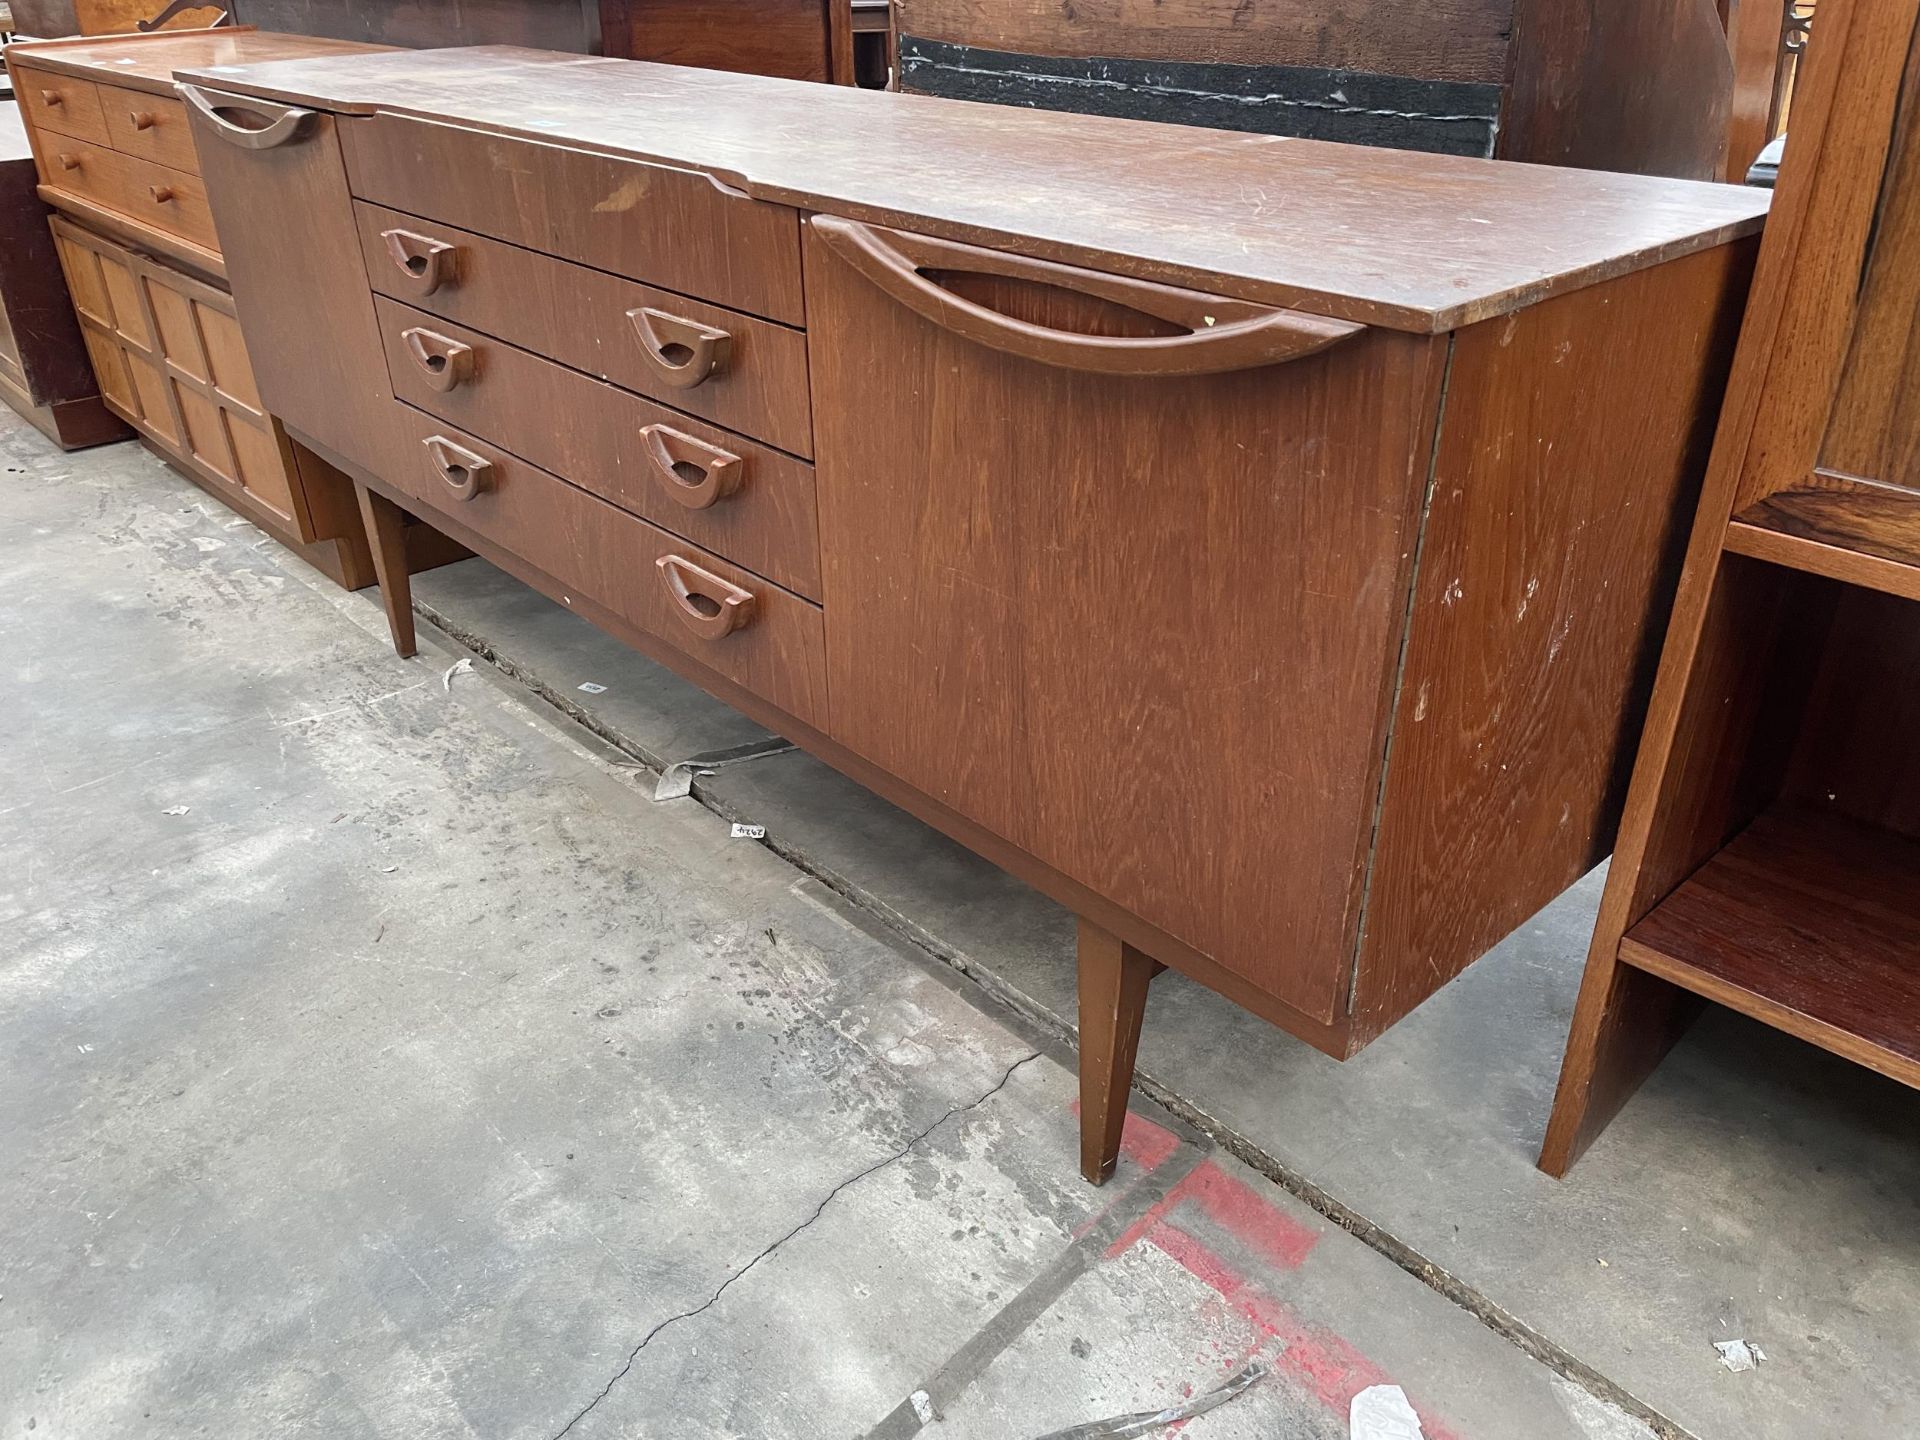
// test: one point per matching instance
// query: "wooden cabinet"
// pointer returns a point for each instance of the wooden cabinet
(143, 263)
(45, 374)
(794, 39)
(1234, 540)
(1770, 858)
(1638, 85)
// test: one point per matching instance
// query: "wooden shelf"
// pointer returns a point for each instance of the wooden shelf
(1809, 922)
(1867, 537)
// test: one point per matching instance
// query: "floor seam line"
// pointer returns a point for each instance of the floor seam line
(818, 1211)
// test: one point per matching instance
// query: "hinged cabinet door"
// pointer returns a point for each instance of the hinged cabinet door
(278, 188)
(1142, 622)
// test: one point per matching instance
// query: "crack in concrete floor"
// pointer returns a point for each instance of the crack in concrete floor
(818, 1211)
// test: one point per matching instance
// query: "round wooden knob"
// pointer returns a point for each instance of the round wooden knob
(161, 193)
(142, 119)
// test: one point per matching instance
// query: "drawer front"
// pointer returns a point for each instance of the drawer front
(775, 646)
(673, 228)
(169, 200)
(741, 500)
(61, 103)
(151, 127)
(757, 384)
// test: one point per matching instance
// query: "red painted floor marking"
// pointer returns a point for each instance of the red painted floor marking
(1324, 1364)
(1238, 1209)
(1146, 1144)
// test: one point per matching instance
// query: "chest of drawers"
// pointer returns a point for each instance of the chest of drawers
(1259, 546)
(144, 268)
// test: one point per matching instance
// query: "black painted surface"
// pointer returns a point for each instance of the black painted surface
(1442, 116)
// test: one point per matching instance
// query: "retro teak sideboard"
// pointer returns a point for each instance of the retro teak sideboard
(1258, 545)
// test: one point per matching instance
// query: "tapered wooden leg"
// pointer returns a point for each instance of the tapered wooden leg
(1113, 997)
(386, 526)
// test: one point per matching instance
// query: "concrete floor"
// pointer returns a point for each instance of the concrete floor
(425, 1078)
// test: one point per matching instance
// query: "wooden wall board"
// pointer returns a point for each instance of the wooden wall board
(1444, 117)
(1636, 85)
(1462, 41)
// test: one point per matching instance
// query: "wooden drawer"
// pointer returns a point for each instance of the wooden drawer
(677, 229)
(61, 103)
(153, 195)
(777, 646)
(741, 500)
(587, 319)
(151, 127)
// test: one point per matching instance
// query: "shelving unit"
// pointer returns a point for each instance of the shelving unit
(1809, 922)
(1769, 855)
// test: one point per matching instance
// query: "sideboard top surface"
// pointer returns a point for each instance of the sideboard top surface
(1411, 241)
(147, 62)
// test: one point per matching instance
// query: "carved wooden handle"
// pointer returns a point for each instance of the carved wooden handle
(161, 193)
(142, 119)
(424, 263)
(713, 608)
(690, 470)
(682, 352)
(69, 162)
(465, 473)
(244, 121)
(52, 98)
(444, 360)
(1220, 334)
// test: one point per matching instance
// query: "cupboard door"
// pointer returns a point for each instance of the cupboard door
(1144, 626)
(279, 193)
(206, 365)
(106, 296)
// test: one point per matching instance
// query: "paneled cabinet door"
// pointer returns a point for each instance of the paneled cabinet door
(102, 279)
(169, 356)
(210, 380)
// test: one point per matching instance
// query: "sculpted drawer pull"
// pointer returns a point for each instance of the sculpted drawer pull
(69, 162)
(445, 361)
(142, 119)
(713, 608)
(251, 124)
(466, 473)
(682, 352)
(161, 193)
(691, 471)
(423, 262)
(51, 98)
